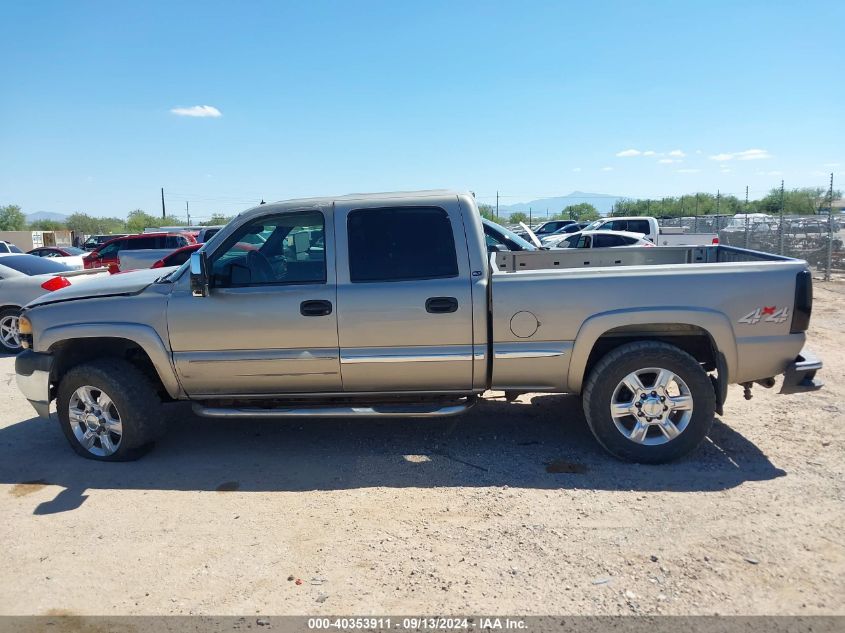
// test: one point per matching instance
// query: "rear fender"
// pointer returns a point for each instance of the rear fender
(716, 324)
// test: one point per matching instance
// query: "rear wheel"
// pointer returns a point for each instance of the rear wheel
(108, 410)
(10, 339)
(649, 402)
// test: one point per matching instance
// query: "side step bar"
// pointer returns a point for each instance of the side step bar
(381, 410)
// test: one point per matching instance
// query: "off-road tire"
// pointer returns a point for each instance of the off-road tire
(139, 406)
(620, 362)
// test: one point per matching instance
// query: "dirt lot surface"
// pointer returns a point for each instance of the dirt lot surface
(512, 508)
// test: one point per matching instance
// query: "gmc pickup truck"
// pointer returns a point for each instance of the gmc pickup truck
(331, 307)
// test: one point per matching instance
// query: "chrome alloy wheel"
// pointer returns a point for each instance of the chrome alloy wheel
(95, 421)
(9, 332)
(651, 406)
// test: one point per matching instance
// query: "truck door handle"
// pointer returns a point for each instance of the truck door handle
(315, 308)
(441, 305)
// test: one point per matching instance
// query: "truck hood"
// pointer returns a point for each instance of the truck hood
(105, 286)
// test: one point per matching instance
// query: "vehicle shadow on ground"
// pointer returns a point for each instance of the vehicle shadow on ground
(545, 445)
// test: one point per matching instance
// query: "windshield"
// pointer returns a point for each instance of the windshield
(32, 265)
(592, 226)
(72, 250)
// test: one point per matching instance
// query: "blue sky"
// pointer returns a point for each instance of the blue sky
(531, 99)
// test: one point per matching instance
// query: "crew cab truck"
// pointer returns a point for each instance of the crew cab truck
(330, 307)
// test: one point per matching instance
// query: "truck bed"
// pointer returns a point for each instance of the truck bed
(514, 261)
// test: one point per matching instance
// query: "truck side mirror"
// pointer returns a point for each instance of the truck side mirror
(199, 274)
(497, 248)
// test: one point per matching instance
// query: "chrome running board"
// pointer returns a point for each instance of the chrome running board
(432, 410)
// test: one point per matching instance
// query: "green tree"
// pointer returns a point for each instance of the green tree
(12, 218)
(84, 224)
(518, 217)
(487, 211)
(47, 225)
(138, 220)
(582, 212)
(217, 219)
(806, 201)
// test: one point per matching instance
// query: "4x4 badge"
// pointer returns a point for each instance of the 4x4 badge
(769, 314)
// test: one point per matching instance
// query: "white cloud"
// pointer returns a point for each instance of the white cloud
(748, 154)
(832, 165)
(669, 161)
(726, 171)
(677, 153)
(607, 168)
(576, 169)
(198, 111)
(753, 154)
(698, 151)
(650, 152)
(687, 171)
(628, 153)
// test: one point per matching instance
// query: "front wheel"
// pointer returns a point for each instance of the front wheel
(649, 402)
(108, 410)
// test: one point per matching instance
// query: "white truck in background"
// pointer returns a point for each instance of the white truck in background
(649, 227)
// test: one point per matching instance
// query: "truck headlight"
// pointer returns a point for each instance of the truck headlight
(25, 332)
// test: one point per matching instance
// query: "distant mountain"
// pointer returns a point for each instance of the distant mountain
(602, 201)
(46, 215)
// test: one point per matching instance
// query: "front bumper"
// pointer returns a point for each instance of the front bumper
(32, 370)
(800, 375)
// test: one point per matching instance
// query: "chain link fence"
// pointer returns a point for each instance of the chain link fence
(818, 239)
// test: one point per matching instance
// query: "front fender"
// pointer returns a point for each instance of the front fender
(716, 324)
(145, 336)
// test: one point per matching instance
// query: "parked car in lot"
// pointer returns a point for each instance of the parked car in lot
(389, 305)
(156, 246)
(207, 232)
(653, 232)
(177, 257)
(546, 228)
(552, 238)
(95, 241)
(602, 239)
(67, 255)
(499, 238)
(23, 278)
(7, 248)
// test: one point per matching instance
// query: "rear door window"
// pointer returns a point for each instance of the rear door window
(400, 244)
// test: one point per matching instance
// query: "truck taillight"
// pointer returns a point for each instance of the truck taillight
(56, 283)
(715, 240)
(803, 302)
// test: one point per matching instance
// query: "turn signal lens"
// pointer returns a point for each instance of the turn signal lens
(24, 325)
(56, 283)
(715, 240)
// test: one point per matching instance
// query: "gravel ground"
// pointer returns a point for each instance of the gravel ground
(512, 508)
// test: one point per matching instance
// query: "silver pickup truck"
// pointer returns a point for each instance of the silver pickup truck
(331, 307)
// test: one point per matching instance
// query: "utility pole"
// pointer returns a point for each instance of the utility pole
(163, 211)
(188, 212)
(829, 229)
(780, 224)
(746, 216)
(497, 205)
(530, 219)
(718, 200)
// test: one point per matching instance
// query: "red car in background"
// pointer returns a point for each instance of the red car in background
(177, 257)
(106, 256)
